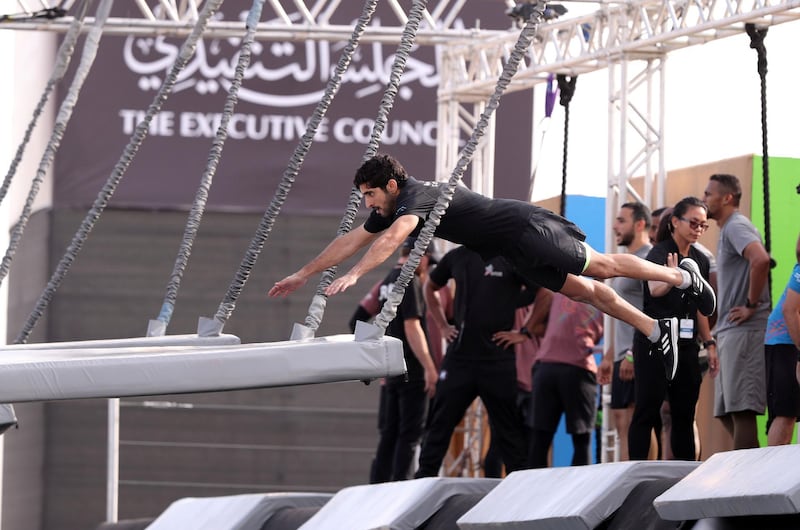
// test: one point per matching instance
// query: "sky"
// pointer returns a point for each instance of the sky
(712, 112)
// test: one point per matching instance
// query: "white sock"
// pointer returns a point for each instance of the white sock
(687, 279)
(655, 334)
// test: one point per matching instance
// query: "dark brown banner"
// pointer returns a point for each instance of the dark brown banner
(283, 84)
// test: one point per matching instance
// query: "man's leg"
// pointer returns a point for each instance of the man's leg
(742, 379)
(662, 333)
(745, 429)
(388, 417)
(781, 430)
(577, 390)
(497, 388)
(608, 301)
(666, 431)
(622, 421)
(622, 402)
(546, 410)
(604, 266)
(581, 449)
(686, 276)
(413, 403)
(783, 392)
(650, 389)
(455, 391)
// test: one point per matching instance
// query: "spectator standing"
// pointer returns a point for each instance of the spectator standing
(687, 222)
(564, 379)
(403, 400)
(487, 295)
(744, 306)
(781, 351)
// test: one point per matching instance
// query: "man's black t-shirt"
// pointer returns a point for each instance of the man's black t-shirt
(485, 225)
(487, 296)
(412, 306)
(676, 303)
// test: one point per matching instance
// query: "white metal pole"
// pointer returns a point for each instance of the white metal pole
(112, 476)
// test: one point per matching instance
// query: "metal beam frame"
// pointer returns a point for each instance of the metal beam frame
(621, 37)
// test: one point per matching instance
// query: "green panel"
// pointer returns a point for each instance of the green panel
(784, 208)
(784, 203)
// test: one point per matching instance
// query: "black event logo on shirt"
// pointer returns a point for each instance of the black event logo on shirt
(489, 271)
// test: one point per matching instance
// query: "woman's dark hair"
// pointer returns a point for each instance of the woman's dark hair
(379, 170)
(665, 228)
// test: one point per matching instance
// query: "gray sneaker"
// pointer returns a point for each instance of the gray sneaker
(667, 345)
(700, 289)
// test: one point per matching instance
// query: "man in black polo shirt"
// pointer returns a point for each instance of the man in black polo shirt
(543, 247)
(404, 398)
(487, 296)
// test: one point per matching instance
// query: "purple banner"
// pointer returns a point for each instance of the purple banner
(283, 84)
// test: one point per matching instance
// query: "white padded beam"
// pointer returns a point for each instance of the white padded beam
(75, 373)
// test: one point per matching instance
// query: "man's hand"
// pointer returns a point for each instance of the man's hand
(509, 338)
(606, 369)
(341, 284)
(739, 314)
(713, 360)
(626, 370)
(288, 285)
(449, 332)
(431, 378)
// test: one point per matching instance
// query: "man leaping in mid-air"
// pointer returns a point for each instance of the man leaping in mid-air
(543, 247)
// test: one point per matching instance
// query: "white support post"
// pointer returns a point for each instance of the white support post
(112, 476)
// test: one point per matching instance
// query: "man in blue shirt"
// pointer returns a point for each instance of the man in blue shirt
(781, 351)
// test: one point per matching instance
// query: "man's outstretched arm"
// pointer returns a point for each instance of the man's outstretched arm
(383, 247)
(337, 251)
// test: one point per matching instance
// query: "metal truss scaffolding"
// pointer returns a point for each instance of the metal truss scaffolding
(630, 38)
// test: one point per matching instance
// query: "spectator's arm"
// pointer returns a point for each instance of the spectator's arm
(437, 311)
(419, 346)
(757, 255)
(791, 314)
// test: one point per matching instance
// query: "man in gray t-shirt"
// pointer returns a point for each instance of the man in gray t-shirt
(631, 227)
(744, 305)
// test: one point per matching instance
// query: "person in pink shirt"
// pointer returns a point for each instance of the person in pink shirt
(564, 379)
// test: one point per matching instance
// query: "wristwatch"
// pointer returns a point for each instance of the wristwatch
(525, 332)
(710, 342)
(750, 305)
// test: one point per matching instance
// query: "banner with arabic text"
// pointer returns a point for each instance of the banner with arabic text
(282, 85)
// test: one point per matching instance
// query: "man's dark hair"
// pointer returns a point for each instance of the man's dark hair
(639, 212)
(379, 170)
(657, 212)
(729, 184)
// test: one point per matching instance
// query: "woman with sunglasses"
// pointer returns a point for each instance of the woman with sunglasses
(687, 222)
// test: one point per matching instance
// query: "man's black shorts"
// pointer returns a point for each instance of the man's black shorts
(783, 391)
(548, 249)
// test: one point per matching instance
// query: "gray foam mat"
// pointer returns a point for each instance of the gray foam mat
(234, 512)
(565, 498)
(403, 505)
(737, 483)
